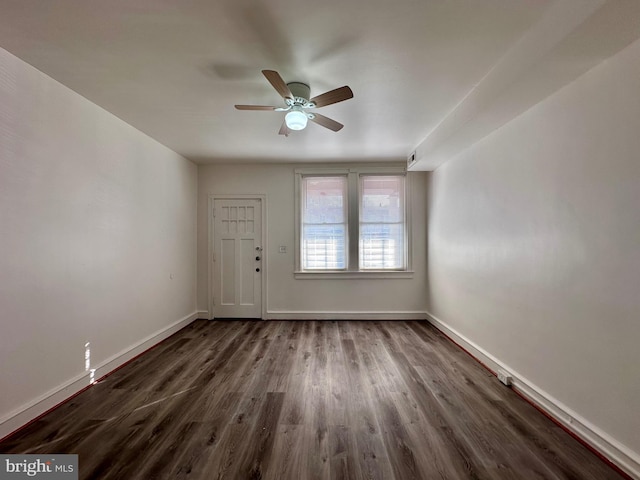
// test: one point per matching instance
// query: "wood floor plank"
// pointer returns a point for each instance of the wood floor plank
(230, 454)
(288, 454)
(343, 455)
(197, 450)
(371, 453)
(338, 387)
(259, 444)
(317, 400)
(316, 433)
(298, 381)
(316, 436)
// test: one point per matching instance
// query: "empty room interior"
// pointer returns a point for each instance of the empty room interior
(321, 240)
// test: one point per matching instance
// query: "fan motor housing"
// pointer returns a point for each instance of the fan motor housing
(300, 91)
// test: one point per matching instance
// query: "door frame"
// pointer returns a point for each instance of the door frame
(263, 278)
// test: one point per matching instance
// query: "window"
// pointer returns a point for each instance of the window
(324, 223)
(351, 221)
(381, 204)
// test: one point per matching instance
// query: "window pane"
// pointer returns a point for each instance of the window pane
(324, 199)
(324, 223)
(382, 246)
(382, 199)
(382, 242)
(324, 247)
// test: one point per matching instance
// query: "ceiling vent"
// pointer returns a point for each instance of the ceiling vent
(411, 159)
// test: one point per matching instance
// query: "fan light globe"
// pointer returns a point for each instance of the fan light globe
(296, 119)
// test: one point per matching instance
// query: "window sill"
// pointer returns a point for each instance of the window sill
(344, 275)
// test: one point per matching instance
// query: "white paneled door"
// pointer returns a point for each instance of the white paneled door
(237, 258)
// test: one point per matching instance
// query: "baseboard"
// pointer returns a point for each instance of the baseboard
(331, 315)
(203, 314)
(603, 444)
(42, 404)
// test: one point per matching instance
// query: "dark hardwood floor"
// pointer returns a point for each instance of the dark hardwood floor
(307, 400)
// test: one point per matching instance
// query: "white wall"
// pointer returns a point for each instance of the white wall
(534, 250)
(94, 217)
(288, 297)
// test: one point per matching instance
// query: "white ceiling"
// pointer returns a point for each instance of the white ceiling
(435, 74)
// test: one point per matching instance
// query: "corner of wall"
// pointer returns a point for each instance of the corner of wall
(610, 450)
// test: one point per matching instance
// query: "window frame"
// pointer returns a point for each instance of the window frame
(353, 174)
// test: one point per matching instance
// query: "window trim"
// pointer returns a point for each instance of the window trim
(353, 205)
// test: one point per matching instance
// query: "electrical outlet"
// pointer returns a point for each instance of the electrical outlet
(504, 377)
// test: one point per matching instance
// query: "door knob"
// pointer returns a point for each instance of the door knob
(257, 269)
(257, 259)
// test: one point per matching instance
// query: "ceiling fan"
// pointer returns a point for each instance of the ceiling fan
(296, 98)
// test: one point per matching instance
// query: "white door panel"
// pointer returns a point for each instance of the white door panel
(237, 237)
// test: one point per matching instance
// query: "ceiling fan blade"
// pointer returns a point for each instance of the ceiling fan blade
(254, 107)
(334, 96)
(326, 122)
(284, 130)
(278, 83)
